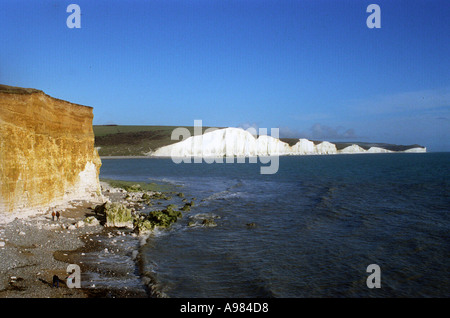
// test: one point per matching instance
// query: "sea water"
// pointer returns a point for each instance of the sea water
(310, 230)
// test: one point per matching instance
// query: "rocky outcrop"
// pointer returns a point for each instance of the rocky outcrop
(47, 154)
(117, 214)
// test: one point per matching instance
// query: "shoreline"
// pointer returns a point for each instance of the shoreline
(34, 248)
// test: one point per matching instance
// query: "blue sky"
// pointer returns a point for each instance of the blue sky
(311, 68)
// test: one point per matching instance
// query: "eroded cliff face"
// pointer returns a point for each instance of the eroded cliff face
(239, 142)
(47, 153)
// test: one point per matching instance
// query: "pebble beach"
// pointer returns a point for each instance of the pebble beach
(34, 249)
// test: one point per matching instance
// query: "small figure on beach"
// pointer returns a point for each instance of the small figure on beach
(55, 281)
(53, 216)
(57, 215)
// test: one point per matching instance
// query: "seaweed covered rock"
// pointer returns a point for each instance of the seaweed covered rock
(117, 214)
(146, 197)
(189, 204)
(133, 188)
(143, 225)
(160, 218)
(186, 208)
(171, 207)
(166, 217)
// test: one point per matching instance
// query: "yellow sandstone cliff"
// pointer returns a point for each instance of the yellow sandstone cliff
(47, 154)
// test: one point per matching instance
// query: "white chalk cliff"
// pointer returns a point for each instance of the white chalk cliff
(241, 143)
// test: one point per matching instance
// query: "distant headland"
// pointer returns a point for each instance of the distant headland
(155, 141)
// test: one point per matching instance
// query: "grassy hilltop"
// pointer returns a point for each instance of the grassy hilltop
(118, 140)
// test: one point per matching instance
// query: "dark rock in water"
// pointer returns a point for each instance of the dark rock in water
(160, 196)
(181, 195)
(165, 217)
(251, 225)
(186, 208)
(209, 222)
(143, 225)
(171, 207)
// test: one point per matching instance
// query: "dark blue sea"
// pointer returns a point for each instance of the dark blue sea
(309, 230)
